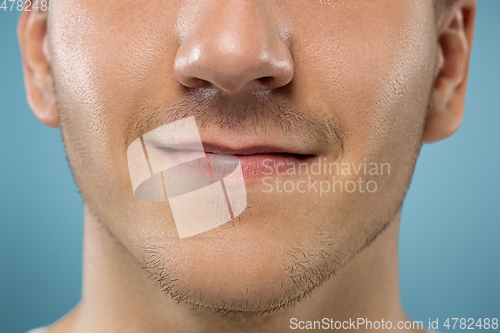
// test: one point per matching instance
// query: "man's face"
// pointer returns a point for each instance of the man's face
(346, 83)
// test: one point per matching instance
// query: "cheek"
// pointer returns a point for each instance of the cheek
(369, 65)
(107, 72)
(371, 68)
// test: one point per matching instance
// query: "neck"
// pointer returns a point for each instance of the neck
(118, 296)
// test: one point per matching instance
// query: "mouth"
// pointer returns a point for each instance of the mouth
(256, 161)
(207, 171)
(181, 144)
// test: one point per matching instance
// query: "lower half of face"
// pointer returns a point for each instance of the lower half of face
(361, 87)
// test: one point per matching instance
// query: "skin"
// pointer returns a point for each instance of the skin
(368, 82)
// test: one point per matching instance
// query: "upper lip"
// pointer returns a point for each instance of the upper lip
(230, 142)
(225, 143)
(241, 150)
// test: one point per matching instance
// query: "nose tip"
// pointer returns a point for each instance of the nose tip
(234, 51)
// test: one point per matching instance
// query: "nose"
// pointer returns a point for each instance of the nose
(234, 47)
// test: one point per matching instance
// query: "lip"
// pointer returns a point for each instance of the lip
(235, 149)
(256, 162)
(259, 161)
(259, 155)
(255, 166)
(253, 149)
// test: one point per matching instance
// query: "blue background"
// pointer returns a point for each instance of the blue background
(449, 245)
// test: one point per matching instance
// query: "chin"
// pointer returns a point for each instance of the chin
(245, 267)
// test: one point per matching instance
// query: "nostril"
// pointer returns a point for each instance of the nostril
(198, 83)
(266, 80)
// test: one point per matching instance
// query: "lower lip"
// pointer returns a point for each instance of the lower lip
(270, 165)
(253, 166)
